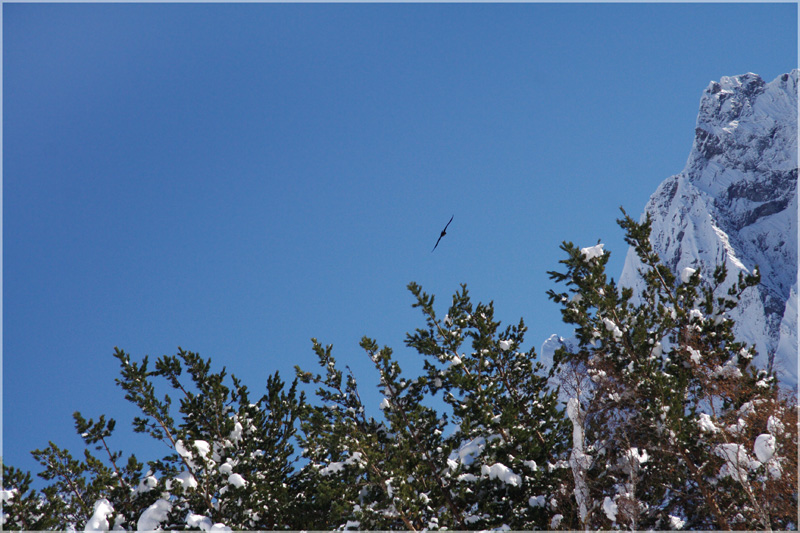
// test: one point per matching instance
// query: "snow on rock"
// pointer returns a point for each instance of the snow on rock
(99, 520)
(576, 416)
(764, 447)
(549, 347)
(735, 202)
(151, 518)
(785, 362)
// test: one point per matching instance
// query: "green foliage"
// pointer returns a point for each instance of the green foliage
(475, 463)
(644, 372)
(26, 509)
(220, 435)
(663, 410)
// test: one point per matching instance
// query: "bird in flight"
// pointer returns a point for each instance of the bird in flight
(444, 232)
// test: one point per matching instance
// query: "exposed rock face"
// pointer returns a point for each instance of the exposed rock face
(736, 202)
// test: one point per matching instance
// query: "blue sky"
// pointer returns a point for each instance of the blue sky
(236, 179)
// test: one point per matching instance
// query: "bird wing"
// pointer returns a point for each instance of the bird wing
(448, 223)
(443, 233)
(437, 242)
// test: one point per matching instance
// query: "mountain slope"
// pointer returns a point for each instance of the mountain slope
(736, 201)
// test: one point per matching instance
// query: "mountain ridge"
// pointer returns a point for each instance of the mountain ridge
(735, 202)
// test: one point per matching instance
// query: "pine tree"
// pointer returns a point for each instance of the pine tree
(230, 461)
(26, 509)
(667, 426)
(493, 459)
(666, 403)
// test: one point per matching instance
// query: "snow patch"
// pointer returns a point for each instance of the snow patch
(204, 523)
(501, 472)
(737, 461)
(775, 426)
(764, 447)
(610, 508)
(237, 481)
(151, 518)
(632, 459)
(186, 479)
(338, 466)
(147, 484)
(99, 520)
(537, 501)
(470, 450)
(676, 522)
(592, 252)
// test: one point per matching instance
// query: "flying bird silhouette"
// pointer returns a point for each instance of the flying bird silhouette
(444, 232)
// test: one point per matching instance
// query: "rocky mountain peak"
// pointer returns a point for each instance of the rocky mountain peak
(736, 202)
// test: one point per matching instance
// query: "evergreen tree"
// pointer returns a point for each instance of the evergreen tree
(230, 461)
(492, 458)
(667, 426)
(667, 408)
(26, 509)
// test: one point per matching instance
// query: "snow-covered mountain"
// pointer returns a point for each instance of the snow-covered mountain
(736, 201)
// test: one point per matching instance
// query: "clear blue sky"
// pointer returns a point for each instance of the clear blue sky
(235, 179)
